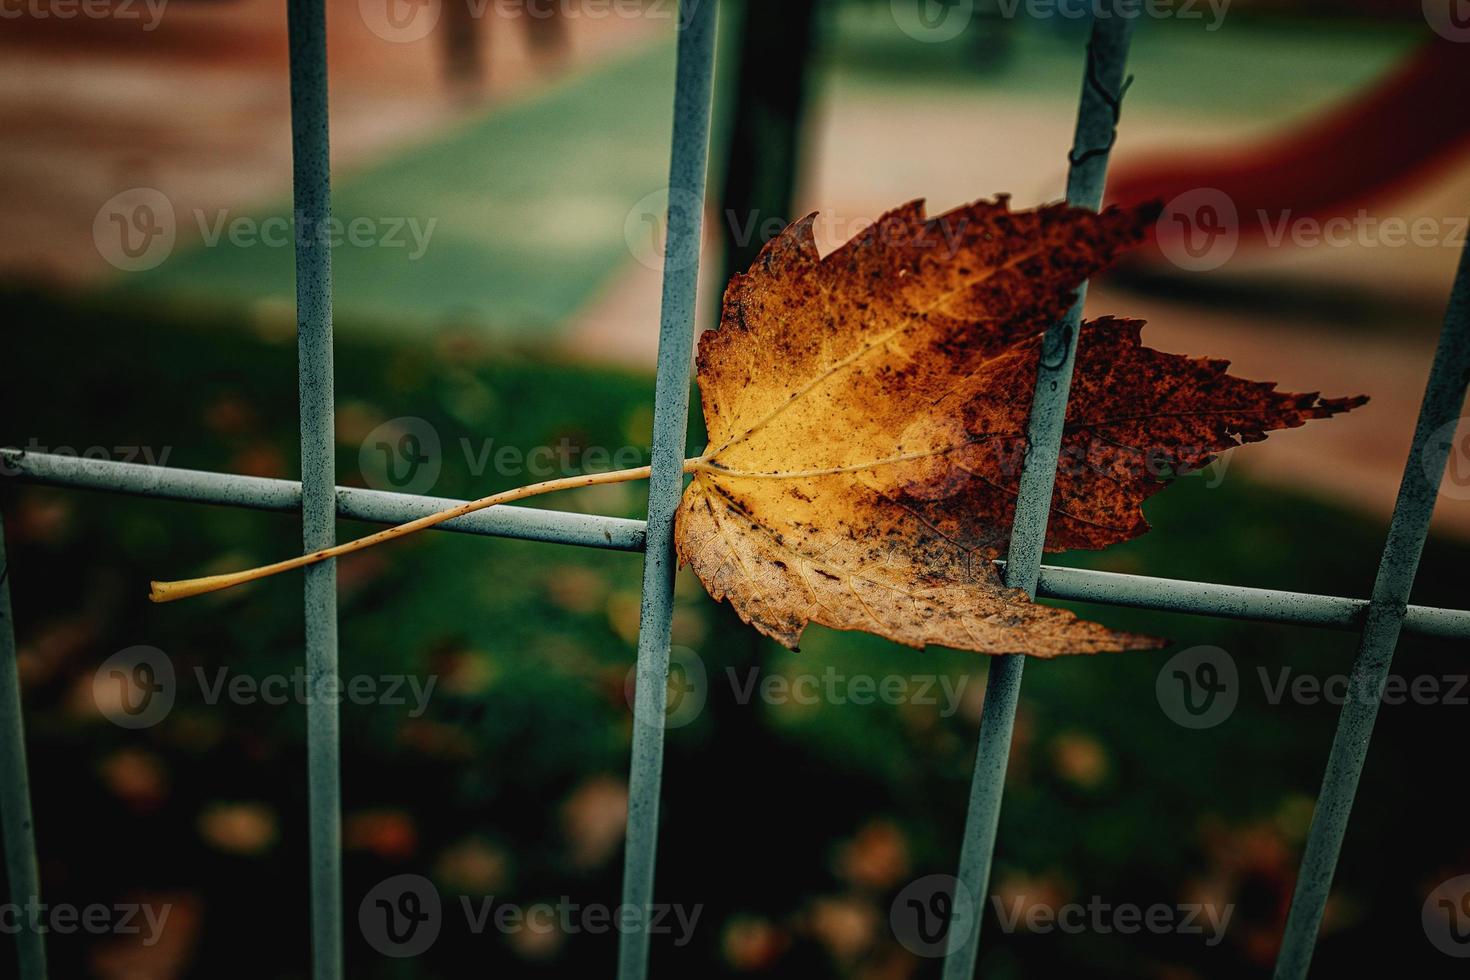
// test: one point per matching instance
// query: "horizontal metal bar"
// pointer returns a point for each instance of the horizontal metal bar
(261, 493)
(1237, 602)
(619, 534)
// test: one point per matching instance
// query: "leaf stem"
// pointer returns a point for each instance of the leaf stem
(184, 589)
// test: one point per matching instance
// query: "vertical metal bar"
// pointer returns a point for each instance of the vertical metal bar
(15, 793)
(1444, 398)
(313, 203)
(687, 169)
(1097, 117)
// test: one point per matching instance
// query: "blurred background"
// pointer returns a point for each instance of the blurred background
(501, 179)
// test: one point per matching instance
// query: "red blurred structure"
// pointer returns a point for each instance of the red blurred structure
(1406, 129)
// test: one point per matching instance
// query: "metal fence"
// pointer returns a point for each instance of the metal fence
(1379, 619)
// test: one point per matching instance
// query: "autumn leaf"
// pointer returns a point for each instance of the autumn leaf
(867, 416)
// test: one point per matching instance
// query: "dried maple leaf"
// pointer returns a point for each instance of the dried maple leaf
(867, 416)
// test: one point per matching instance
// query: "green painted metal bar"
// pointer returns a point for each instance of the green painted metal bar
(312, 188)
(687, 174)
(1444, 399)
(1237, 602)
(356, 503)
(15, 791)
(1103, 86)
(621, 534)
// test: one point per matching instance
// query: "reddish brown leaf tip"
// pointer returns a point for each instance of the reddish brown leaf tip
(1149, 211)
(1333, 406)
